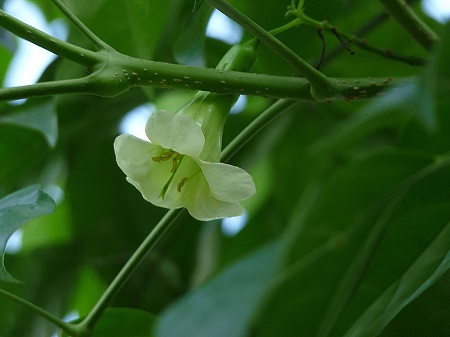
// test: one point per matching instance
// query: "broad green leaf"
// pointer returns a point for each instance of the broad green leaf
(426, 269)
(124, 322)
(371, 240)
(428, 312)
(188, 47)
(15, 210)
(225, 305)
(40, 117)
(131, 27)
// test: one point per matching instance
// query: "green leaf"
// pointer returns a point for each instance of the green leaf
(144, 23)
(40, 117)
(123, 322)
(426, 269)
(15, 210)
(224, 306)
(370, 240)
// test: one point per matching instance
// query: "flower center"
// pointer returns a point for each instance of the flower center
(177, 158)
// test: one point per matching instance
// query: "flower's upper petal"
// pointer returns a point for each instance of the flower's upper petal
(134, 157)
(177, 132)
(227, 182)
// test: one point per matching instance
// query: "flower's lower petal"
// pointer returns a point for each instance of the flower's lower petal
(227, 182)
(177, 132)
(134, 157)
(201, 203)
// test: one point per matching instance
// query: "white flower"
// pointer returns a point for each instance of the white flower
(180, 167)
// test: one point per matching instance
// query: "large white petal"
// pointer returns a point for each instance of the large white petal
(177, 132)
(227, 182)
(201, 203)
(134, 157)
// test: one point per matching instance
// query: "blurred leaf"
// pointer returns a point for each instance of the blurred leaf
(41, 117)
(368, 244)
(188, 46)
(131, 27)
(15, 210)
(426, 269)
(429, 312)
(225, 305)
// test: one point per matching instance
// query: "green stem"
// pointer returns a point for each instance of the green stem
(322, 87)
(81, 86)
(67, 327)
(64, 49)
(91, 319)
(285, 27)
(362, 44)
(123, 72)
(302, 18)
(386, 53)
(406, 17)
(96, 41)
(116, 73)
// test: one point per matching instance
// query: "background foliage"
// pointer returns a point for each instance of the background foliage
(349, 225)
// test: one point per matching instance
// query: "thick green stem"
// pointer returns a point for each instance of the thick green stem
(406, 17)
(67, 327)
(115, 73)
(322, 87)
(61, 48)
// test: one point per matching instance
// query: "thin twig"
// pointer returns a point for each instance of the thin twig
(96, 41)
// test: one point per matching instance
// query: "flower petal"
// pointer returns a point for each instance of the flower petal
(134, 157)
(227, 182)
(201, 203)
(177, 132)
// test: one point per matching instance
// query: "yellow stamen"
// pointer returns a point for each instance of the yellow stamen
(181, 184)
(175, 166)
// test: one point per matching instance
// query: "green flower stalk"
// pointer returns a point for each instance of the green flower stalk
(180, 166)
